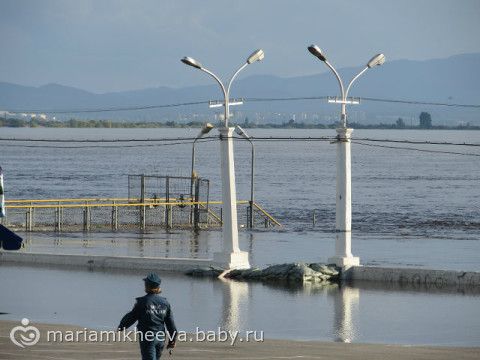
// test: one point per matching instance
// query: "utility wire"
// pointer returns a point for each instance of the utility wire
(108, 146)
(102, 140)
(414, 149)
(286, 99)
(210, 139)
(289, 138)
(412, 102)
(124, 108)
(148, 107)
(418, 142)
(333, 138)
(253, 138)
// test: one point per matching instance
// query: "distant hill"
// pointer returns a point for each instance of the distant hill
(454, 80)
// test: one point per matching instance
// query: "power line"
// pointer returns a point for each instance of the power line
(333, 138)
(289, 138)
(123, 108)
(253, 138)
(413, 102)
(418, 142)
(415, 149)
(108, 146)
(103, 140)
(183, 141)
(286, 98)
(148, 107)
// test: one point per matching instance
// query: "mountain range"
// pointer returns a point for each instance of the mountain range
(454, 79)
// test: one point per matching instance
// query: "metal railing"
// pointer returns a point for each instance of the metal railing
(112, 214)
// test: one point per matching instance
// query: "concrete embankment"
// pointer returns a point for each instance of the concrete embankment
(268, 349)
(297, 271)
(413, 276)
(104, 262)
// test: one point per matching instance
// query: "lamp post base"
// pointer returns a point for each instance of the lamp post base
(233, 260)
(344, 262)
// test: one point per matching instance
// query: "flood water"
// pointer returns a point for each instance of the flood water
(364, 314)
(410, 209)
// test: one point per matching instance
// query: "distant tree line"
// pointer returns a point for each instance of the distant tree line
(74, 123)
(425, 122)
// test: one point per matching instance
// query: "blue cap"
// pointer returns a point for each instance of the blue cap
(153, 279)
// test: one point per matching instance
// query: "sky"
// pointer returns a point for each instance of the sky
(115, 45)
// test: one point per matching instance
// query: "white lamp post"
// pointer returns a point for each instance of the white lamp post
(231, 257)
(343, 216)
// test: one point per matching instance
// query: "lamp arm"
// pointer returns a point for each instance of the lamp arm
(353, 80)
(234, 76)
(225, 93)
(217, 79)
(339, 79)
(227, 96)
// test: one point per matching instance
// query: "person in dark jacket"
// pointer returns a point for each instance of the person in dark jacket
(155, 320)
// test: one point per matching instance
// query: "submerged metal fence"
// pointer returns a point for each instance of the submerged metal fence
(153, 202)
(123, 214)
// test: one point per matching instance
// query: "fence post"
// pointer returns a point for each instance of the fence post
(89, 218)
(30, 222)
(114, 217)
(196, 211)
(86, 217)
(250, 219)
(26, 220)
(142, 200)
(207, 197)
(168, 208)
(57, 215)
(59, 218)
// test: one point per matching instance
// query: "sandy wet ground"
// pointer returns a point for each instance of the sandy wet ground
(269, 349)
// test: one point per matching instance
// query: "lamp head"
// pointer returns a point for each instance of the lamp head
(377, 60)
(206, 128)
(317, 52)
(257, 55)
(241, 132)
(191, 62)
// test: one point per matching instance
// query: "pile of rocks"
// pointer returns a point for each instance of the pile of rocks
(292, 273)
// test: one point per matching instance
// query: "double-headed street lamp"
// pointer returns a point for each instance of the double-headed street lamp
(343, 216)
(231, 257)
(244, 134)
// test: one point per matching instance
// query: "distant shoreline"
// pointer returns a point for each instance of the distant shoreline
(106, 124)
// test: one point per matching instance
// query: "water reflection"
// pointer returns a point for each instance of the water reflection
(345, 307)
(234, 303)
(194, 244)
(236, 294)
(315, 311)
